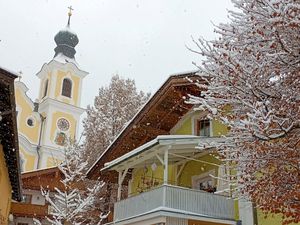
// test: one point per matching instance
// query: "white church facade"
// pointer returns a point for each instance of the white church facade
(46, 124)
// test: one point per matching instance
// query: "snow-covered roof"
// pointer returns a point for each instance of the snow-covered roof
(145, 109)
(64, 59)
(68, 29)
(9, 71)
(46, 170)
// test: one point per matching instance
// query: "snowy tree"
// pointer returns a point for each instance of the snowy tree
(73, 203)
(251, 82)
(113, 108)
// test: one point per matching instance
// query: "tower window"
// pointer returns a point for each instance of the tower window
(46, 88)
(67, 87)
(203, 128)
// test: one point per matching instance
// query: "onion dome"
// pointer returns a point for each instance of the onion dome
(66, 40)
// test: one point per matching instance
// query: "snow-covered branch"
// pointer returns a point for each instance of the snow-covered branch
(254, 69)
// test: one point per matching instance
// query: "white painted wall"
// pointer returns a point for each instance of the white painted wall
(176, 221)
(246, 212)
(37, 198)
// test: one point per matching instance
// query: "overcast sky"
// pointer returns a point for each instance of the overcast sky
(140, 39)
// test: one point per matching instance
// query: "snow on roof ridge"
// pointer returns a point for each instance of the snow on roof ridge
(38, 170)
(67, 28)
(10, 71)
(184, 73)
(61, 58)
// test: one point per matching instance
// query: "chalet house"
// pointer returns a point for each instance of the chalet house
(10, 186)
(164, 165)
(33, 204)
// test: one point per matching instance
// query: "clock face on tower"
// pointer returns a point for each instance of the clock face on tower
(63, 124)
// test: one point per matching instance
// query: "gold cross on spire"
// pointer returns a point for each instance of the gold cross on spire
(70, 14)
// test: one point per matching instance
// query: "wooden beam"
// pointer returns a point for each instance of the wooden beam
(178, 173)
(120, 181)
(160, 159)
(186, 159)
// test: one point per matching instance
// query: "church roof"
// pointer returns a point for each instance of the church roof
(66, 40)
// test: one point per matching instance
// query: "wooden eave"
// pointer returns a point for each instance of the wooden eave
(46, 178)
(158, 116)
(19, 209)
(8, 130)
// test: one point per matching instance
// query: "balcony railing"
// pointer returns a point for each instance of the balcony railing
(29, 210)
(175, 199)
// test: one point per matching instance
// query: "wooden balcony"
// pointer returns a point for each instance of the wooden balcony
(29, 210)
(176, 200)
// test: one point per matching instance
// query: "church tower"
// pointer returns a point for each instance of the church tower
(56, 114)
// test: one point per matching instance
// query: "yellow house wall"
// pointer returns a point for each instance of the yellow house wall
(29, 159)
(5, 189)
(70, 118)
(53, 162)
(271, 219)
(219, 128)
(75, 86)
(185, 128)
(32, 133)
(137, 184)
(194, 168)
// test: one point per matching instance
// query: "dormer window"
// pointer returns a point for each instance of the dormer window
(203, 127)
(45, 88)
(66, 88)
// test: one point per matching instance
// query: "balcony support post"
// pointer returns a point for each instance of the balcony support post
(120, 182)
(166, 162)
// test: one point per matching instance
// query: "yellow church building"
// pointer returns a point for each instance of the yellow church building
(46, 124)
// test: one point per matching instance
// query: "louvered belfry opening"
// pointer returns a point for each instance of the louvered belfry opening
(67, 87)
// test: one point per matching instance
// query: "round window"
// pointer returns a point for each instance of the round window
(30, 122)
(63, 124)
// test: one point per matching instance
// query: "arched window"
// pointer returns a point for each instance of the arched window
(67, 87)
(45, 88)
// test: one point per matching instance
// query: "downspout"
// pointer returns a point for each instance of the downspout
(38, 147)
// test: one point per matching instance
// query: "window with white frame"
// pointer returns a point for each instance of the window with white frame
(202, 127)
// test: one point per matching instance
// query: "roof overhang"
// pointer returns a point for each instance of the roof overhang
(157, 117)
(48, 178)
(8, 130)
(181, 148)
